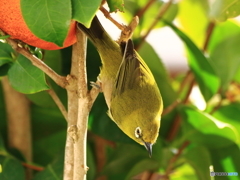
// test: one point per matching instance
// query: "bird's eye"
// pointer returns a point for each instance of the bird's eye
(138, 132)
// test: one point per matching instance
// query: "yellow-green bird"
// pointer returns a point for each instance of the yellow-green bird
(130, 90)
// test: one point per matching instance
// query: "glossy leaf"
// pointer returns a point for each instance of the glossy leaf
(224, 52)
(48, 127)
(184, 172)
(229, 114)
(2, 146)
(160, 74)
(25, 77)
(53, 147)
(226, 160)
(12, 169)
(121, 160)
(91, 175)
(54, 60)
(205, 129)
(134, 8)
(221, 32)
(199, 158)
(143, 165)
(5, 68)
(224, 9)
(5, 53)
(83, 11)
(116, 5)
(52, 20)
(53, 171)
(202, 69)
(189, 11)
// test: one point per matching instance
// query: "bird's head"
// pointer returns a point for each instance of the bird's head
(142, 129)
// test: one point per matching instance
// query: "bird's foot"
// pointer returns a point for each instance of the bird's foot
(97, 84)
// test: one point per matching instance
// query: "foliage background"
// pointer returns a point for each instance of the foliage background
(190, 141)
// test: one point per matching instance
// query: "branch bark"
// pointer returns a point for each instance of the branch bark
(80, 101)
(59, 80)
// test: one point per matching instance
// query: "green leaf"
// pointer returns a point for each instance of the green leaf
(91, 175)
(116, 5)
(48, 130)
(159, 72)
(229, 114)
(53, 171)
(184, 172)
(83, 11)
(4, 37)
(224, 9)
(4, 69)
(2, 146)
(222, 31)
(25, 77)
(143, 165)
(189, 11)
(11, 169)
(199, 158)
(6, 58)
(205, 129)
(121, 160)
(226, 159)
(226, 59)
(52, 20)
(53, 147)
(202, 69)
(5, 53)
(54, 60)
(146, 19)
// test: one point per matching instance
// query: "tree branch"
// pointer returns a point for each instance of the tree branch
(209, 32)
(58, 102)
(80, 101)
(141, 12)
(175, 158)
(60, 80)
(159, 16)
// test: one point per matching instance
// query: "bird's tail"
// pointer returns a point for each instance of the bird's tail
(109, 50)
(96, 33)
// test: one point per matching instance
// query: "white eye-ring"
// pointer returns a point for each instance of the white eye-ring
(138, 132)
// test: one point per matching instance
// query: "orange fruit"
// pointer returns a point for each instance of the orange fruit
(12, 22)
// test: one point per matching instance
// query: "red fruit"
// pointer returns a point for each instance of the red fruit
(12, 22)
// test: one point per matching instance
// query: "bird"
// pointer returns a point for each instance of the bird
(131, 93)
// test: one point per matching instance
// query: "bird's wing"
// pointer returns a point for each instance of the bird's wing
(130, 71)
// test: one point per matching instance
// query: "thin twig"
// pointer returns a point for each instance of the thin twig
(32, 167)
(209, 32)
(191, 84)
(177, 120)
(127, 31)
(58, 102)
(175, 158)
(159, 16)
(170, 107)
(174, 128)
(184, 82)
(60, 80)
(108, 16)
(219, 104)
(141, 12)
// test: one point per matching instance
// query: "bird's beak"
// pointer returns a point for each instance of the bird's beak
(148, 146)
